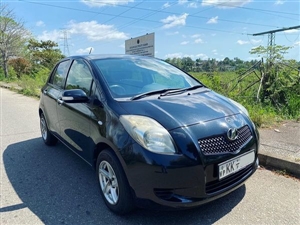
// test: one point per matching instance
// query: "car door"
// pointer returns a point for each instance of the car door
(51, 92)
(74, 118)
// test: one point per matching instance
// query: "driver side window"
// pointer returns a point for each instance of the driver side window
(79, 77)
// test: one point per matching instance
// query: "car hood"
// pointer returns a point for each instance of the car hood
(182, 110)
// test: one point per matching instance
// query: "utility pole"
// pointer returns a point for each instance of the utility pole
(66, 45)
(271, 38)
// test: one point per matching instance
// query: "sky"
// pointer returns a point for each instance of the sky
(199, 29)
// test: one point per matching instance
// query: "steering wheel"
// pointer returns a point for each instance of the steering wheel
(117, 89)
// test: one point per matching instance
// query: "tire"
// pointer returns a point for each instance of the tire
(113, 184)
(47, 136)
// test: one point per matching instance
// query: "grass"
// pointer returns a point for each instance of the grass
(225, 83)
(263, 115)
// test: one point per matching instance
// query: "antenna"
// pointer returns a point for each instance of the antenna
(90, 50)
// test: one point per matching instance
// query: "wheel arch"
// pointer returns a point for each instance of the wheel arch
(40, 112)
(105, 146)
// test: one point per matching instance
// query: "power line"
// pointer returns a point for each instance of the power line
(128, 17)
(145, 9)
(256, 9)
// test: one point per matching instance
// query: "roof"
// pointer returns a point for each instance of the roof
(105, 56)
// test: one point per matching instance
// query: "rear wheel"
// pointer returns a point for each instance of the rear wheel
(113, 184)
(48, 138)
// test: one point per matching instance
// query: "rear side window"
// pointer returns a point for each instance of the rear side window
(59, 75)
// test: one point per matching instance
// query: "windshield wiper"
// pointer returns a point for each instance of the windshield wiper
(143, 95)
(164, 92)
(181, 90)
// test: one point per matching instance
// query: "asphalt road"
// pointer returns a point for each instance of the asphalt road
(51, 185)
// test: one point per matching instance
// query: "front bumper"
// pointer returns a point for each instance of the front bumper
(176, 181)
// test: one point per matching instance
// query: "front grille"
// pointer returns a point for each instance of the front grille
(220, 144)
(220, 185)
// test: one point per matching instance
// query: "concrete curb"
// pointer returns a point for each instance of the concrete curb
(10, 86)
(280, 164)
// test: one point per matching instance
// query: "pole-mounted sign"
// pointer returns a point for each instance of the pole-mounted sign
(142, 45)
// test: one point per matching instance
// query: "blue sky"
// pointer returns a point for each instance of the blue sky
(198, 29)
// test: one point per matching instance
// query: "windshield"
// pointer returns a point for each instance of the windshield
(131, 76)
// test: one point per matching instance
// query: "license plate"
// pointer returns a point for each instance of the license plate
(234, 165)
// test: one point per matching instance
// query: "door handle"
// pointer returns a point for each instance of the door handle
(60, 101)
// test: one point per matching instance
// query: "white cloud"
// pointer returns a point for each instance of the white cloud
(198, 41)
(173, 21)
(254, 42)
(215, 51)
(213, 20)
(85, 51)
(184, 43)
(40, 23)
(225, 3)
(166, 5)
(172, 33)
(101, 3)
(202, 56)
(213, 35)
(95, 31)
(195, 36)
(122, 46)
(279, 2)
(193, 5)
(174, 55)
(240, 42)
(181, 2)
(297, 43)
(181, 55)
(293, 31)
(187, 55)
(54, 35)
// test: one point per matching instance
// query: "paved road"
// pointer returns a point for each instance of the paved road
(51, 185)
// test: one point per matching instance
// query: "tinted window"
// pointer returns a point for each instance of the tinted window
(59, 75)
(79, 77)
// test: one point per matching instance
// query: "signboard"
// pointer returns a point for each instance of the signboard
(143, 45)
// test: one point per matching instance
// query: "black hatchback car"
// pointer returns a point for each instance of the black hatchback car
(156, 136)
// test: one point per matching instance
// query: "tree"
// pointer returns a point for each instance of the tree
(20, 65)
(275, 52)
(44, 53)
(187, 64)
(12, 37)
(275, 81)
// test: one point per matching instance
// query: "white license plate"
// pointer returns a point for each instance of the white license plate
(234, 165)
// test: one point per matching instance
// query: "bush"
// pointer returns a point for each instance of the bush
(31, 84)
(262, 114)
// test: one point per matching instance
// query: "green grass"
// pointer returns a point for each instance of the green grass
(263, 115)
(225, 83)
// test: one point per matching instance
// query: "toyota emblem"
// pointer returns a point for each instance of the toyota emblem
(232, 134)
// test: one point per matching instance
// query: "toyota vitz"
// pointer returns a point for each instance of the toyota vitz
(156, 136)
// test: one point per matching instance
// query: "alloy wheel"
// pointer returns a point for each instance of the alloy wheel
(43, 126)
(108, 182)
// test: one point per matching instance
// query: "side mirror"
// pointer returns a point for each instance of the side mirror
(74, 96)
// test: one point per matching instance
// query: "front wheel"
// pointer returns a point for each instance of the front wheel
(113, 184)
(48, 138)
